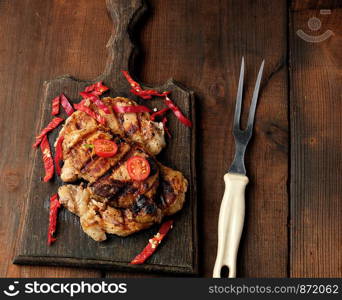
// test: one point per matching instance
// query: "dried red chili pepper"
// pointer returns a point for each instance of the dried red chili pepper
(139, 91)
(97, 101)
(177, 112)
(147, 94)
(141, 94)
(59, 154)
(47, 159)
(85, 95)
(159, 113)
(166, 129)
(97, 88)
(54, 206)
(130, 109)
(80, 106)
(153, 244)
(52, 125)
(66, 105)
(55, 105)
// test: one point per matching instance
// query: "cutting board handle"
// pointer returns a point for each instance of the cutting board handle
(124, 15)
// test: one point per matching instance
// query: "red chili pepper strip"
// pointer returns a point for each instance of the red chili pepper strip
(152, 244)
(96, 100)
(47, 159)
(177, 112)
(59, 154)
(97, 88)
(137, 89)
(55, 105)
(159, 113)
(147, 94)
(85, 95)
(166, 129)
(54, 206)
(136, 86)
(140, 94)
(91, 113)
(52, 125)
(66, 105)
(89, 88)
(130, 109)
(100, 87)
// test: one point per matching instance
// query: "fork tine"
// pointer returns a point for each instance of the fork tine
(255, 98)
(239, 97)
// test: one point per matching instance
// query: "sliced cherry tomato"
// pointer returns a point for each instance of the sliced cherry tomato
(138, 168)
(105, 148)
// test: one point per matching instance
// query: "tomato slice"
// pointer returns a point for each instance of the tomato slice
(138, 168)
(105, 148)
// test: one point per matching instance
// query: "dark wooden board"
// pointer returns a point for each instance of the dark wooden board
(316, 142)
(74, 248)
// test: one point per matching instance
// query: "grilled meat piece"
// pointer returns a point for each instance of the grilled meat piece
(135, 127)
(110, 201)
(99, 217)
(81, 130)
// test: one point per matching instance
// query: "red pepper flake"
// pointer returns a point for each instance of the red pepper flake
(52, 125)
(96, 100)
(138, 90)
(59, 154)
(47, 159)
(152, 244)
(130, 109)
(80, 106)
(166, 129)
(177, 112)
(96, 89)
(159, 113)
(66, 105)
(55, 105)
(54, 206)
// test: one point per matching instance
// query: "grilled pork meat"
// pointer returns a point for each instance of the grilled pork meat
(81, 130)
(98, 215)
(135, 127)
(108, 200)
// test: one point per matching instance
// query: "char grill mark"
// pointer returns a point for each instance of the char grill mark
(114, 183)
(100, 216)
(145, 204)
(122, 193)
(125, 151)
(109, 201)
(81, 155)
(153, 166)
(101, 166)
(108, 188)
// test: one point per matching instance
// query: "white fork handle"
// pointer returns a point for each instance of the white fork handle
(231, 219)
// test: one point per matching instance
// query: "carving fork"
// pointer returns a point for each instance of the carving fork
(232, 211)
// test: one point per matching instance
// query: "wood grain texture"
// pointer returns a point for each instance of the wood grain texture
(316, 143)
(201, 44)
(39, 40)
(74, 248)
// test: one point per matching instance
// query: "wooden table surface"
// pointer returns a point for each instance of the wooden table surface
(293, 202)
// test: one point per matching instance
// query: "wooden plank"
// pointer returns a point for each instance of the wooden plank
(40, 42)
(316, 208)
(74, 248)
(201, 43)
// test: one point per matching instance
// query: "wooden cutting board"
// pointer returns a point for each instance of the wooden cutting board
(73, 247)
